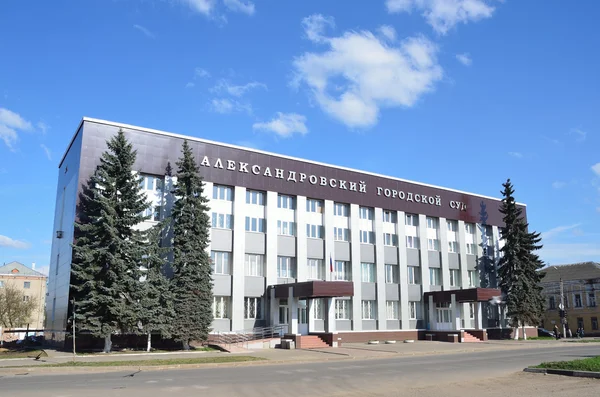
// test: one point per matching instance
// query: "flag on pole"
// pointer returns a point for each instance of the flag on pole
(330, 264)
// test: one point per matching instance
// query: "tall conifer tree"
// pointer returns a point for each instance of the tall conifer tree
(192, 282)
(108, 249)
(519, 265)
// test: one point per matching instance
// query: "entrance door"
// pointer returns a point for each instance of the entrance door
(302, 317)
(444, 322)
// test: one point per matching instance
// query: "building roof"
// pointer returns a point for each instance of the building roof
(575, 271)
(192, 138)
(18, 269)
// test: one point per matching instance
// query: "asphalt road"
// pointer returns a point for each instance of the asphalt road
(328, 378)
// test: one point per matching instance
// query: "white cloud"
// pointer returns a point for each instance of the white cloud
(359, 74)
(443, 15)
(563, 253)
(558, 184)
(189, 84)
(464, 58)
(388, 32)
(223, 86)
(284, 125)
(580, 135)
(245, 7)
(315, 25)
(226, 106)
(558, 230)
(11, 243)
(43, 127)
(202, 6)
(517, 155)
(10, 124)
(596, 168)
(201, 73)
(145, 31)
(47, 151)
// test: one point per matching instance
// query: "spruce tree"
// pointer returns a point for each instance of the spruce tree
(108, 248)
(519, 265)
(156, 303)
(192, 281)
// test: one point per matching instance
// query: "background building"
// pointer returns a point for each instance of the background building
(358, 250)
(33, 286)
(581, 282)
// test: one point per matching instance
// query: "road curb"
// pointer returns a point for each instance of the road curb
(564, 372)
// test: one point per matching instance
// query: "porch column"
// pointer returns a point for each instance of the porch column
(455, 313)
(478, 316)
(432, 316)
(293, 318)
(273, 308)
(311, 315)
(330, 315)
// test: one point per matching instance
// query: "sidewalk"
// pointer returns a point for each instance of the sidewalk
(348, 351)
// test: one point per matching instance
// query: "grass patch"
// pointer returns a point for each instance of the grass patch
(144, 363)
(538, 338)
(586, 364)
(140, 351)
(6, 353)
(585, 341)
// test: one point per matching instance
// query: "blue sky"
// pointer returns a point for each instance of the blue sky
(457, 93)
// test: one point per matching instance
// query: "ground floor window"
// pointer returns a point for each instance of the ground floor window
(318, 309)
(471, 310)
(221, 307)
(369, 310)
(594, 323)
(343, 309)
(283, 311)
(253, 308)
(414, 310)
(392, 310)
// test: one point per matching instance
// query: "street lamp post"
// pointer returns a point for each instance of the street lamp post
(561, 308)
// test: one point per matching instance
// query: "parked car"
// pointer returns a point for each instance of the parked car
(545, 332)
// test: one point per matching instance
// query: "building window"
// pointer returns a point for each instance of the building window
(472, 275)
(368, 272)
(579, 322)
(471, 310)
(551, 303)
(341, 234)
(392, 310)
(285, 228)
(253, 308)
(314, 231)
(413, 275)
(412, 242)
(340, 209)
(412, 220)
(452, 226)
(434, 276)
(391, 274)
(222, 221)
(369, 310)
(591, 299)
(286, 267)
(255, 225)
(471, 248)
(1, 284)
(313, 205)
(578, 300)
(343, 309)
(283, 311)
(366, 213)
(222, 193)
(149, 182)
(25, 298)
(342, 271)
(432, 223)
(469, 228)
(221, 307)
(255, 265)
(367, 237)
(452, 246)
(594, 323)
(433, 244)
(414, 311)
(389, 216)
(390, 239)
(318, 309)
(255, 197)
(27, 284)
(315, 269)
(454, 278)
(286, 202)
(221, 262)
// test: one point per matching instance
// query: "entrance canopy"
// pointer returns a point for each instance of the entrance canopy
(315, 289)
(463, 295)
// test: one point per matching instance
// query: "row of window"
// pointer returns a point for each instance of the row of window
(577, 300)
(26, 284)
(343, 310)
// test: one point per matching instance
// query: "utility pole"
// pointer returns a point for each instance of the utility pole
(563, 319)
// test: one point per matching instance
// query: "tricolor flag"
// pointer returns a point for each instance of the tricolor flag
(330, 264)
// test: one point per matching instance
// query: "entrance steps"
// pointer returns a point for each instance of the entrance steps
(470, 338)
(311, 342)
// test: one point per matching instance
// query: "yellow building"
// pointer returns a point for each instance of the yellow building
(33, 285)
(580, 281)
